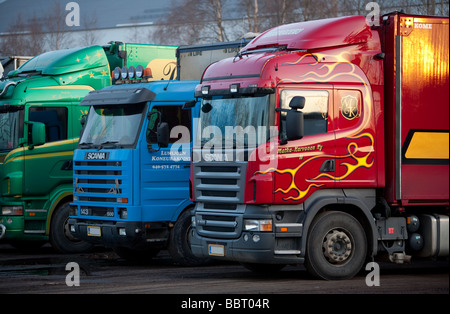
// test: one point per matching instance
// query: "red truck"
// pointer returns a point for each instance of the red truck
(326, 143)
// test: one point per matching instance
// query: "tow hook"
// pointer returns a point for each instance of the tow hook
(2, 231)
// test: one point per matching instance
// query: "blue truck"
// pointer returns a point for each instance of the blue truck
(132, 168)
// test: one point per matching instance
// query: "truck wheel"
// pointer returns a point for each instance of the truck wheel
(179, 244)
(61, 238)
(336, 246)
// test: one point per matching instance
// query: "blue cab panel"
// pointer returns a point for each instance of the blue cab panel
(129, 191)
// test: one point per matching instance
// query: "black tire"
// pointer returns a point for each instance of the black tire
(336, 246)
(60, 237)
(179, 244)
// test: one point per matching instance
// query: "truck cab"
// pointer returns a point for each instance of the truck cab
(132, 167)
(300, 154)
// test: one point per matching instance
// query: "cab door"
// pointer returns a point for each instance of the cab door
(49, 165)
(355, 139)
(307, 164)
(165, 171)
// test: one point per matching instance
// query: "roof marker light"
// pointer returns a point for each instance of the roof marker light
(205, 90)
(131, 72)
(124, 72)
(234, 88)
(139, 71)
(117, 73)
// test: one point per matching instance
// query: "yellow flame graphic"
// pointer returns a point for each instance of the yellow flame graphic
(326, 69)
(352, 150)
(357, 162)
(292, 187)
(329, 67)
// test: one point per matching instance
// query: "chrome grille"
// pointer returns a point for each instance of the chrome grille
(219, 183)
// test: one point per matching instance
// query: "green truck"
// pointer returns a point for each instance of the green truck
(40, 124)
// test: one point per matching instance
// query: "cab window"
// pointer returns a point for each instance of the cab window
(174, 116)
(55, 120)
(315, 112)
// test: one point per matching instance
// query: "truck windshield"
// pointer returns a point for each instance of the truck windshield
(113, 126)
(9, 131)
(241, 122)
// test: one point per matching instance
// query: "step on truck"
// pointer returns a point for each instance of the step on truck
(326, 143)
(40, 127)
(132, 168)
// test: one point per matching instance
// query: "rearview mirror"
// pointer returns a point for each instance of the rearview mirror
(37, 134)
(297, 102)
(162, 134)
(294, 125)
(189, 104)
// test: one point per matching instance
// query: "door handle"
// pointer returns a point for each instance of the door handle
(327, 166)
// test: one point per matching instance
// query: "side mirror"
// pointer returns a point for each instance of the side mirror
(162, 131)
(294, 119)
(297, 102)
(294, 125)
(162, 134)
(189, 104)
(83, 121)
(37, 134)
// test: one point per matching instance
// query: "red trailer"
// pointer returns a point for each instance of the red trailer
(326, 143)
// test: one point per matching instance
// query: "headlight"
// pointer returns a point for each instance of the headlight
(12, 210)
(123, 213)
(258, 224)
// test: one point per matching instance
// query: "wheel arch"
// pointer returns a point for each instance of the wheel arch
(55, 202)
(184, 206)
(357, 203)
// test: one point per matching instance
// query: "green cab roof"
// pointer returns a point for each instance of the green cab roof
(66, 61)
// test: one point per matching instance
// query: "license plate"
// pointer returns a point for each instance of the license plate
(94, 231)
(84, 211)
(216, 250)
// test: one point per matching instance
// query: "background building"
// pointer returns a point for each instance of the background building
(30, 27)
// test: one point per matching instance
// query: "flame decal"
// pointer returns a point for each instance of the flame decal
(352, 150)
(328, 68)
(364, 161)
(292, 187)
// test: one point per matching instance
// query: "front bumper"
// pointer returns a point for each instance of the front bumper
(244, 249)
(15, 229)
(221, 235)
(112, 234)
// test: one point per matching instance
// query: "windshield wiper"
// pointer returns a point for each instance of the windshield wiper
(113, 143)
(88, 144)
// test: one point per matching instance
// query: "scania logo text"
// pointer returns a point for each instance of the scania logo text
(215, 157)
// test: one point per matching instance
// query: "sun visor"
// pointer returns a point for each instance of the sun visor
(315, 34)
(117, 96)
